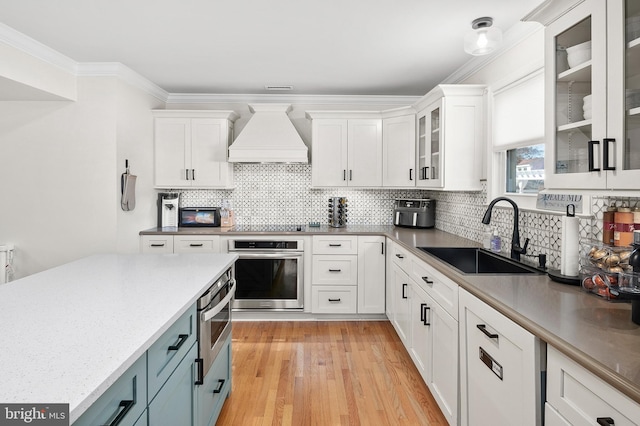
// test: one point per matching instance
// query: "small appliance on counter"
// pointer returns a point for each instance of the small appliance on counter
(168, 209)
(417, 213)
(337, 212)
(199, 216)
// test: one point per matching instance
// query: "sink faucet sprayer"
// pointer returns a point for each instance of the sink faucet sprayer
(516, 250)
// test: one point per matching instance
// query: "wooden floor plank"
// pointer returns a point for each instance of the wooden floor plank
(325, 373)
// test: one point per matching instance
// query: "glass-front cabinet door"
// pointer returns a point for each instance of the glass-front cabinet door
(624, 94)
(430, 137)
(593, 85)
(576, 88)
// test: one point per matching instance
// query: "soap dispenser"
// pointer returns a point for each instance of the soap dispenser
(496, 242)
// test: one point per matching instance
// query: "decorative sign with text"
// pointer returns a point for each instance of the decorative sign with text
(559, 202)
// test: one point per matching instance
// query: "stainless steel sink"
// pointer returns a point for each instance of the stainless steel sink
(471, 260)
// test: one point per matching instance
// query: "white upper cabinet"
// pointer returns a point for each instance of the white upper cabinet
(592, 66)
(450, 134)
(346, 149)
(398, 149)
(191, 148)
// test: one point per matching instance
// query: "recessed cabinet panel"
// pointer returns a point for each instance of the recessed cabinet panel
(581, 398)
(399, 154)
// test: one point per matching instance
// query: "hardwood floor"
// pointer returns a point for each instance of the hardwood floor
(325, 373)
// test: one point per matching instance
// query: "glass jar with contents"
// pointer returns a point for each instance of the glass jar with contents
(608, 224)
(623, 234)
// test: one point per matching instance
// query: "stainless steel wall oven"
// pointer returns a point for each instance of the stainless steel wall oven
(269, 274)
(214, 321)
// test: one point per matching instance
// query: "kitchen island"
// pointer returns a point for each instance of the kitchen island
(70, 332)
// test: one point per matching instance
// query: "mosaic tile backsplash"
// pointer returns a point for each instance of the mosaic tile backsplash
(282, 194)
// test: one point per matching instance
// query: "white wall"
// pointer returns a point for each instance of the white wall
(135, 142)
(60, 165)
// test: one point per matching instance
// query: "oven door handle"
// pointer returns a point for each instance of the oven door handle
(208, 314)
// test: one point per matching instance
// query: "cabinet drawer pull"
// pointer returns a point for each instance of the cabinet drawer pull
(605, 421)
(200, 379)
(195, 245)
(404, 287)
(483, 328)
(220, 386)
(123, 408)
(181, 339)
(157, 244)
(335, 245)
(335, 270)
(399, 256)
(592, 167)
(605, 154)
(334, 300)
(423, 313)
(427, 280)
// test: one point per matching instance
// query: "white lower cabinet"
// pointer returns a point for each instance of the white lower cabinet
(401, 305)
(334, 299)
(180, 244)
(499, 368)
(577, 397)
(348, 274)
(156, 244)
(434, 348)
(371, 270)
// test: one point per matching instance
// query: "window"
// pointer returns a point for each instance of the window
(525, 169)
(517, 166)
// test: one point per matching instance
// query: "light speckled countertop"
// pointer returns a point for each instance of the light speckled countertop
(597, 334)
(69, 332)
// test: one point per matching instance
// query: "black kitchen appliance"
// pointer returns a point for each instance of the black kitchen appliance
(416, 213)
(199, 216)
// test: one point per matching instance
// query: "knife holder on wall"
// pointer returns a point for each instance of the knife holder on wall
(337, 212)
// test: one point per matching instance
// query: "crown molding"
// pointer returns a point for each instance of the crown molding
(512, 37)
(204, 98)
(36, 49)
(123, 72)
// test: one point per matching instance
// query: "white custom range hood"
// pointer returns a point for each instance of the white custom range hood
(268, 137)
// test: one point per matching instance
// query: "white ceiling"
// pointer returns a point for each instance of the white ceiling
(321, 47)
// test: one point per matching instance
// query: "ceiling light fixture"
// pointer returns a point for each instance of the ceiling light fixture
(484, 38)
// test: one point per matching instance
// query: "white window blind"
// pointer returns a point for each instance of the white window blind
(519, 113)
